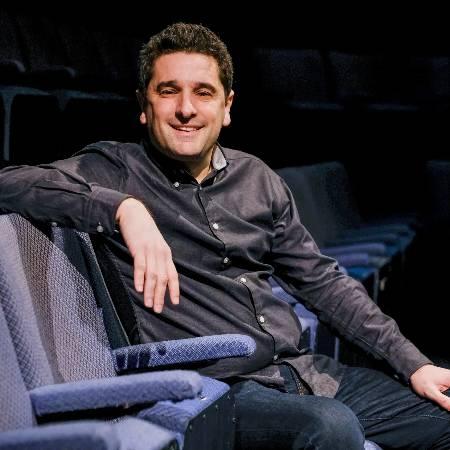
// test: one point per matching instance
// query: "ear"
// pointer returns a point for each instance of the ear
(228, 103)
(142, 101)
(143, 118)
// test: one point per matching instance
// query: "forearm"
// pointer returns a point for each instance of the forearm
(343, 304)
(50, 194)
(337, 299)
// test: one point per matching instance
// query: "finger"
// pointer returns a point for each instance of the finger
(442, 400)
(174, 286)
(438, 397)
(149, 289)
(139, 271)
(160, 290)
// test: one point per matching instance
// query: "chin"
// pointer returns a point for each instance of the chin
(187, 154)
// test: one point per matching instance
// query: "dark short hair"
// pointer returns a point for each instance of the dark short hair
(190, 38)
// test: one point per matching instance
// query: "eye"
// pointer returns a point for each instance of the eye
(167, 91)
(204, 93)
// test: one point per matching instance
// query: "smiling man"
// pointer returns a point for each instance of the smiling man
(185, 107)
(200, 229)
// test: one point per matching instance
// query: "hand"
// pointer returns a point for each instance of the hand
(430, 381)
(153, 266)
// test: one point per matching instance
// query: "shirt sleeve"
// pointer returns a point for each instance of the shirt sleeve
(81, 192)
(337, 299)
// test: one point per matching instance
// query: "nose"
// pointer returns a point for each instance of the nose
(185, 108)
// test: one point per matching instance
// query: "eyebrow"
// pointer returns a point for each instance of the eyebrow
(174, 84)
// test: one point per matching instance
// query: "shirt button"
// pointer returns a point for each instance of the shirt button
(261, 319)
(243, 280)
(226, 260)
(176, 184)
(275, 357)
(215, 226)
(100, 229)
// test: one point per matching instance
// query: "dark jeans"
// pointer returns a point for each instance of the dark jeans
(368, 404)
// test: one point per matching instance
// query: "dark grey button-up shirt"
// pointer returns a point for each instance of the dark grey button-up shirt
(228, 235)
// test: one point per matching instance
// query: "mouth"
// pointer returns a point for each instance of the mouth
(186, 129)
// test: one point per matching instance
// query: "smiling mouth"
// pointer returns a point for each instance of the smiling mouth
(186, 129)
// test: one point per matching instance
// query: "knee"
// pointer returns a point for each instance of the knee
(335, 426)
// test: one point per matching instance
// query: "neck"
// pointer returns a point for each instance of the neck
(199, 169)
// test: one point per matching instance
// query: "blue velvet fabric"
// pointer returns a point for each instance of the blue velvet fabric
(129, 433)
(372, 248)
(137, 434)
(176, 415)
(117, 391)
(73, 436)
(182, 351)
(353, 259)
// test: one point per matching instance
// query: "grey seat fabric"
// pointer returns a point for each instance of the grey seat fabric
(197, 423)
(67, 342)
(58, 328)
(14, 398)
(19, 429)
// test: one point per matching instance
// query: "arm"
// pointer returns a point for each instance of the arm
(87, 192)
(337, 299)
(153, 265)
(81, 192)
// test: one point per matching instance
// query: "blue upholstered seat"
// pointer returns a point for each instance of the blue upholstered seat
(18, 424)
(64, 351)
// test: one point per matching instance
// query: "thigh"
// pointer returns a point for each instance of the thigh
(269, 419)
(391, 413)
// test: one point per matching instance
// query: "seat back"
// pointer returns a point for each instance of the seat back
(14, 398)
(303, 79)
(78, 248)
(324, 198)
(311, 197)
(57, 325)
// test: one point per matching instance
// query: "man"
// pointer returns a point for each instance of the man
(210, 225)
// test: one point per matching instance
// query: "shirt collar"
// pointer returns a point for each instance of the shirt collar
(219, 161)
(175, 169)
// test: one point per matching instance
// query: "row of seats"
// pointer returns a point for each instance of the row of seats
(38, 126)
(63, 85)
(41, 51)
(333, 80)
(65, 357)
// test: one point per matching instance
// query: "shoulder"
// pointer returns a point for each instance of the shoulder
(116, 152)
(256, 177)
(242, 161)
(240, 158)
(114, 147)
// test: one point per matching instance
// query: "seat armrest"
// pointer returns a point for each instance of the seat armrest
(182, 351)
(348, 238)
(353, 259)
(89, 435)
(115, 392)
(372, 248)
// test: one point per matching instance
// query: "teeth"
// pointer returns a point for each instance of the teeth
(185, 129)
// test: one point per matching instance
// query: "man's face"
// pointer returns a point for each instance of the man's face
(186, 106)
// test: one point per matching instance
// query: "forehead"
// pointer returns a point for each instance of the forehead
(186, 68)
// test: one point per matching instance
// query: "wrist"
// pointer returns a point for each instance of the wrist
(126, 206)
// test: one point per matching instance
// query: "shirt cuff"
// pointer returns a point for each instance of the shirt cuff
(102, 208)
(407, 359)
